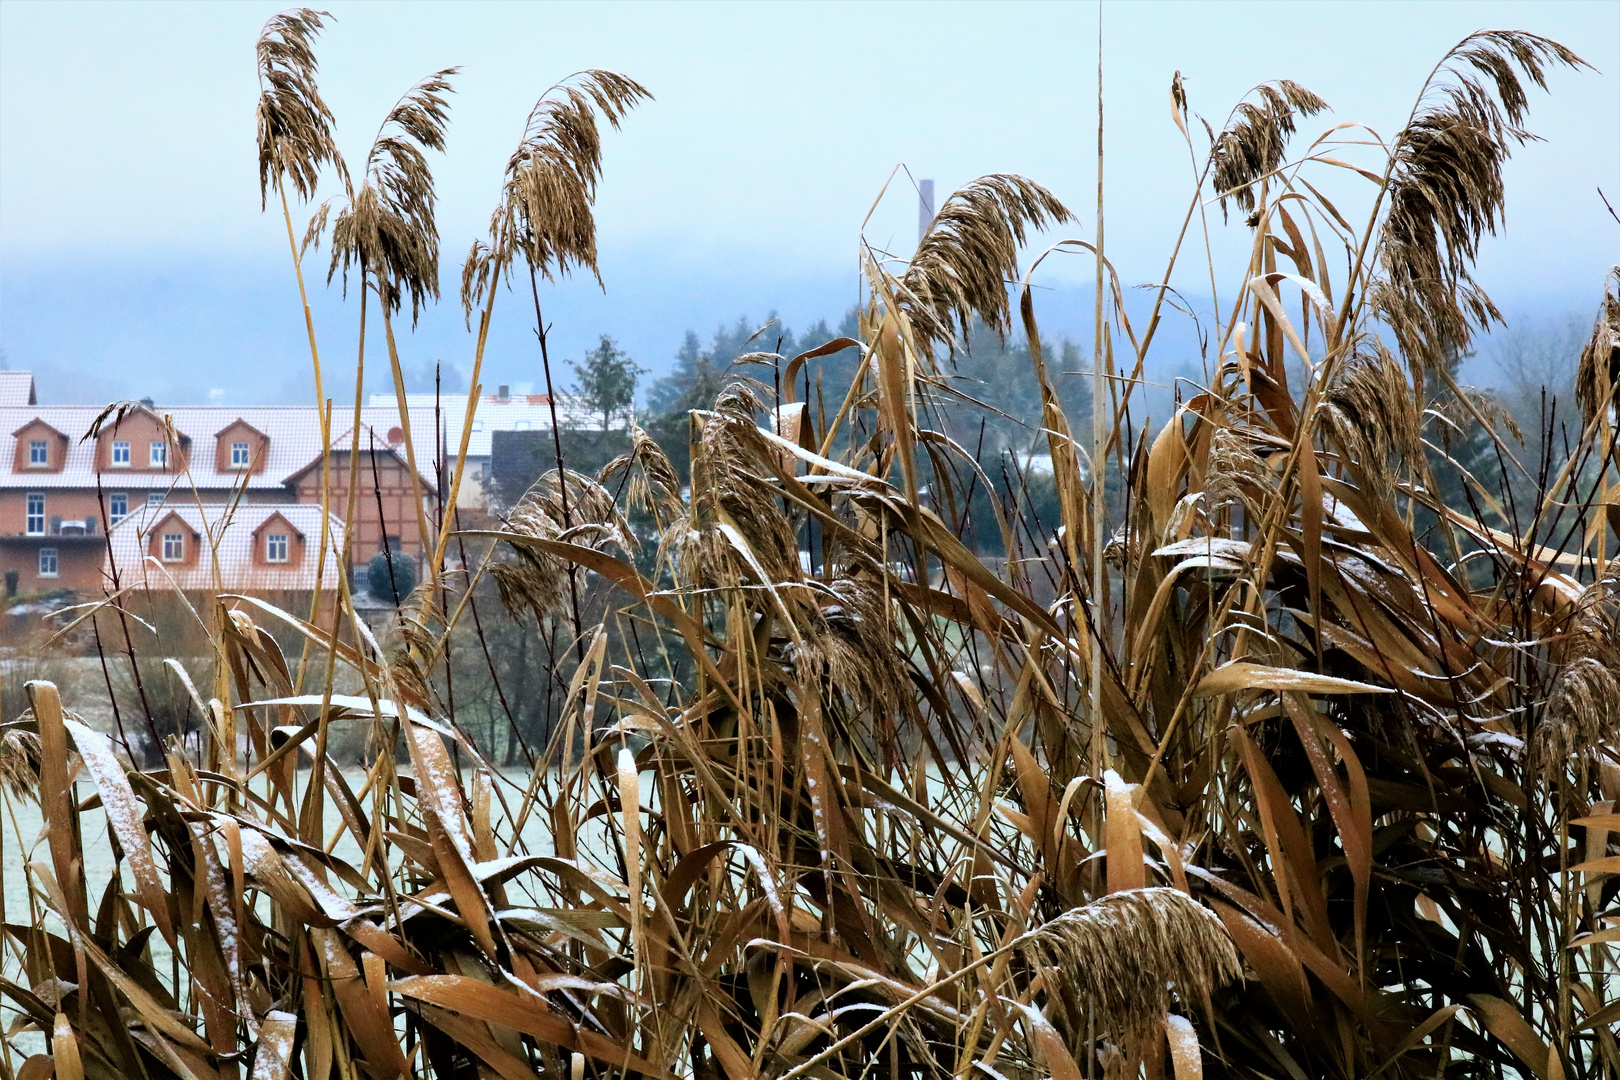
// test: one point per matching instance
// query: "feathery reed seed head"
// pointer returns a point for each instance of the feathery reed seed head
(964, 264)
(1600, 359)
(387, 227)
(545, 208)
(1445, 190)
(20, 760)
(1124, 953)
(1252, 143)
(1370, 411)
(295, 126)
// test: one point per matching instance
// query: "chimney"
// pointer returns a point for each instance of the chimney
(925, 208)
(504, 393)
(148, 403)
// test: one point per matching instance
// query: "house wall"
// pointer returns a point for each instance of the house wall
(140, 430)
(55, 448)
(297, 546)
(390, 484)
(65, 503)
(78, 562)
(241, 431)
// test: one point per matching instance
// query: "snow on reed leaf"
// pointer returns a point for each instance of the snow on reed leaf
(866, 797)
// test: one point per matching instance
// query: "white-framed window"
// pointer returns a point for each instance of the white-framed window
(47, 562)
(39, 452)
(120, 454)
(521, 425)
(239, 455)
(35, 521)
(160, 454)
(117, 507)
(275, 547)
(155, 498)
(174, 547)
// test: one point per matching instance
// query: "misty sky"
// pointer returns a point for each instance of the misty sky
(134, 258)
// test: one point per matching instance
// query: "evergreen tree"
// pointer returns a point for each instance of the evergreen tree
(607, 379)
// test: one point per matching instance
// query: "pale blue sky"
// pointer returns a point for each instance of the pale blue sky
(134, 258)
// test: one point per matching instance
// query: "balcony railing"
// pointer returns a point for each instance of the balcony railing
(62, 528)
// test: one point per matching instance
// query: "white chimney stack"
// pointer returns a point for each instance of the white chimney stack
(925, 208)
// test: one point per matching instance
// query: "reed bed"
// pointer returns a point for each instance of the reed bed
(1288, 750)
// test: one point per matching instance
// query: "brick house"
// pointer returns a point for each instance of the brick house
(62, 491)
(257, 548)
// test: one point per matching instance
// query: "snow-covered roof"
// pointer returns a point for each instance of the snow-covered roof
(293, 432)
(16, 388)
(515, 412)
(235, 533)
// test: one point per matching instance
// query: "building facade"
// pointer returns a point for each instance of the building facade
(510, 408)
(72, 474)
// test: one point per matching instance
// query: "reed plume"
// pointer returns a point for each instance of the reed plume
(1597, 378)
(1445, 189)
(963, 266)
(1368, 408)
(545, 208)
(1252, 143)
(20, 761)
(295, 125)
(386, 227)
(1122, 955)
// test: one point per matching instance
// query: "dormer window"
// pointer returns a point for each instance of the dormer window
(275, 548)
(120, 453)
(239, 455)
(174, 547)
(159, 454)
(39, 452)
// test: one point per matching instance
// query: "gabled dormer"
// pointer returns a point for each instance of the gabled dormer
(40, 448)
(277, 544)
(173, 541)
(139, 442)
(239, 447)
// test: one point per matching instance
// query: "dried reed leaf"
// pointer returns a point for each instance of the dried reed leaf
(1124, 836)
(1240, 675)
(65, 1050)
(1507, 1023)
(1185, 1057)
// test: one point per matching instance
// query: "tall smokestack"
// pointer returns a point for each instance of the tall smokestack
(925, 208)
